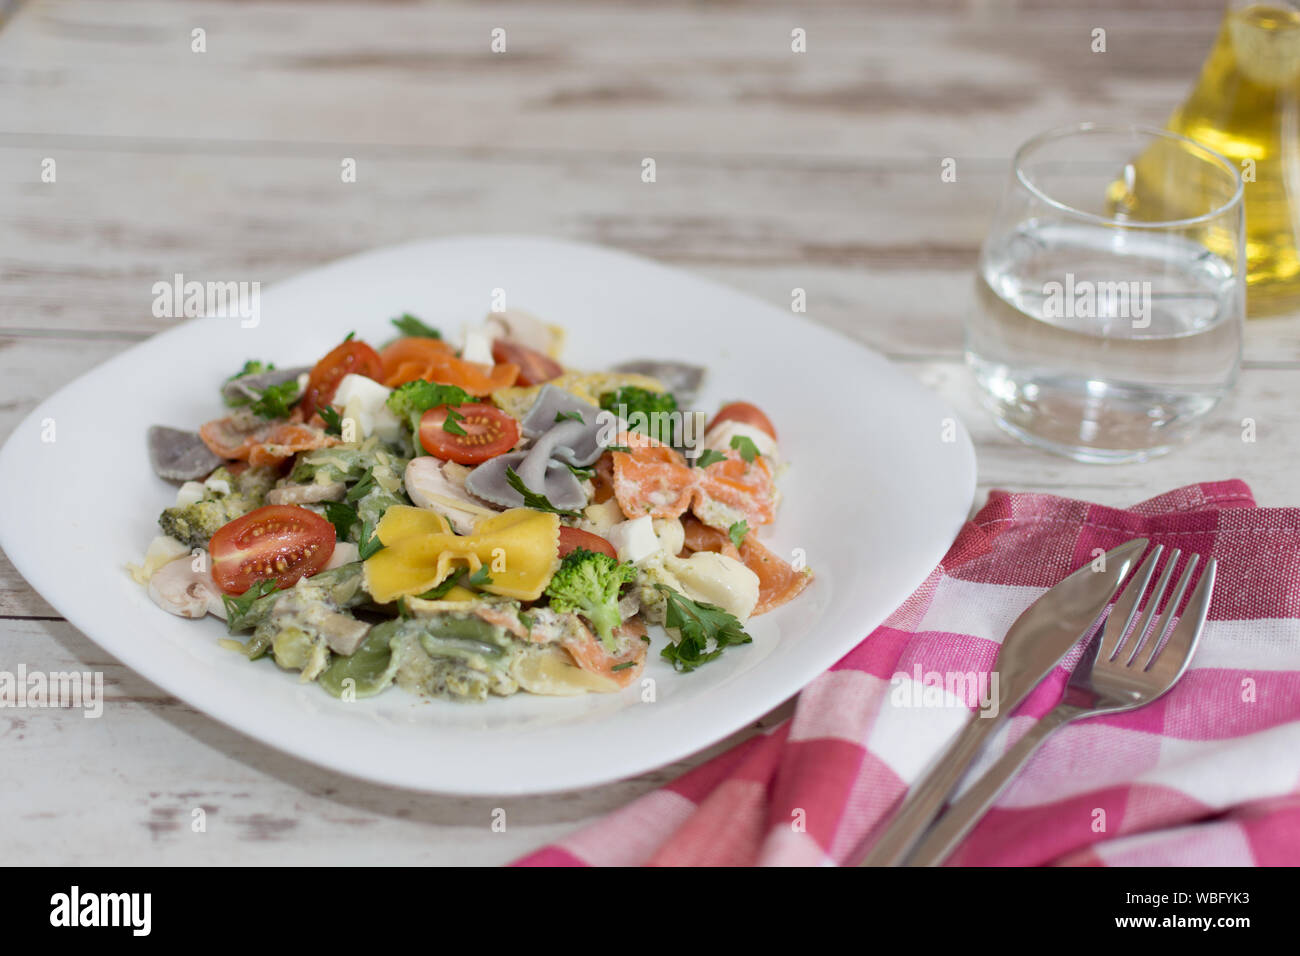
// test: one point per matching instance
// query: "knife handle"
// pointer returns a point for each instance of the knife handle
(927, 798)
(970, 807)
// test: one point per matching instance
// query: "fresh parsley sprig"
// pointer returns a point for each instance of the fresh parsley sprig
(709, 457)
(451, 425)
(532, 499)
(706, 630)
(745, 445)
(369, 541)
(274, 401)
(333, 421)
(409, 325)
(343, 517)
(237, 608)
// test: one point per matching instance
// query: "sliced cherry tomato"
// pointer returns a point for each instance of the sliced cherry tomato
(534, 367)
(488, 432)
(746, 414)
(573, 538)
(283, 542)
(350, 357)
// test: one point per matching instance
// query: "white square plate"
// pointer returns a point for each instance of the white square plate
(873, 497)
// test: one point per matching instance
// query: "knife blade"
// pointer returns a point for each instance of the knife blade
(1033, 645)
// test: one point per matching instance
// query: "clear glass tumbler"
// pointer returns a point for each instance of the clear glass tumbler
(1110, 294)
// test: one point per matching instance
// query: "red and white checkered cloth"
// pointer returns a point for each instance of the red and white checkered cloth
(1207, 775)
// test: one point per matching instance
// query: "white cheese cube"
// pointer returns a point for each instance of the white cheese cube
(365, 402)
(189, 493)
(634, 540)
(477, 347)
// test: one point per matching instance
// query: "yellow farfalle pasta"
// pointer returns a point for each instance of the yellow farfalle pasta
(521, 548)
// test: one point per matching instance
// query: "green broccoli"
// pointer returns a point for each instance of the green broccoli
(195, 523)
(588, 582)
(411, 400)
(651, 413)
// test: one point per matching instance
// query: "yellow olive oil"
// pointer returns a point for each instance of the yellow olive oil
(1246, 105)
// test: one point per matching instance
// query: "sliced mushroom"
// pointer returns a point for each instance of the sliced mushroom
(343, 633)
(306, 494)
(178, 455)
(429, 486)
(178, 589)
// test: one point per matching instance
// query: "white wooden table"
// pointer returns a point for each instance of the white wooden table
(776, 170)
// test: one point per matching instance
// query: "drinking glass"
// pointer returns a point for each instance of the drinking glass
(1110, 294)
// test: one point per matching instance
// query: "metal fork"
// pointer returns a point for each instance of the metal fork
(1112, 676)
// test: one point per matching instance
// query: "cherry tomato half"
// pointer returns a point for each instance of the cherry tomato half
(487, 432)
(534, 367)
(573, 538)
(284, 542)
(348, 358)
(746, 414)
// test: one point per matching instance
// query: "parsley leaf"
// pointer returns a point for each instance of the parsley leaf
(253, 367)
(439, 591)
(408, 324)
(624, 666)
(361, 488)
(701, 626)
(449, 425)
(342, 517)
(709, 457)
(237, 607)
(569, 416)
(275, 400)
(370, 543)
(745, 445)
(582, 474)
(532, 499)
(737, 532)
(333, 423)
(480, 578)
(618, 448)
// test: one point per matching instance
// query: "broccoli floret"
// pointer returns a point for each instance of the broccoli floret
(588, 582)
(651, 413)
(225, 498)
(194, 524)
(411, 400)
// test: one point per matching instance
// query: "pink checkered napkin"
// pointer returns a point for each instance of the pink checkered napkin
(1209, 774)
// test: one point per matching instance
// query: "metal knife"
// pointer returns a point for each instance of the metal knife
(1035, 643)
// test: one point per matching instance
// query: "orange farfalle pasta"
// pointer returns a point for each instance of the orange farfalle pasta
(650, 478)
(520, 548)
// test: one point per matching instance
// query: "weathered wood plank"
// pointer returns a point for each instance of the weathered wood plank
(865, 245)
(575, 77)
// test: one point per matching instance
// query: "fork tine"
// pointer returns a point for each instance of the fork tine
(1126, 606)
(1152, 604)
(1170, 663)
(1166, 621)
